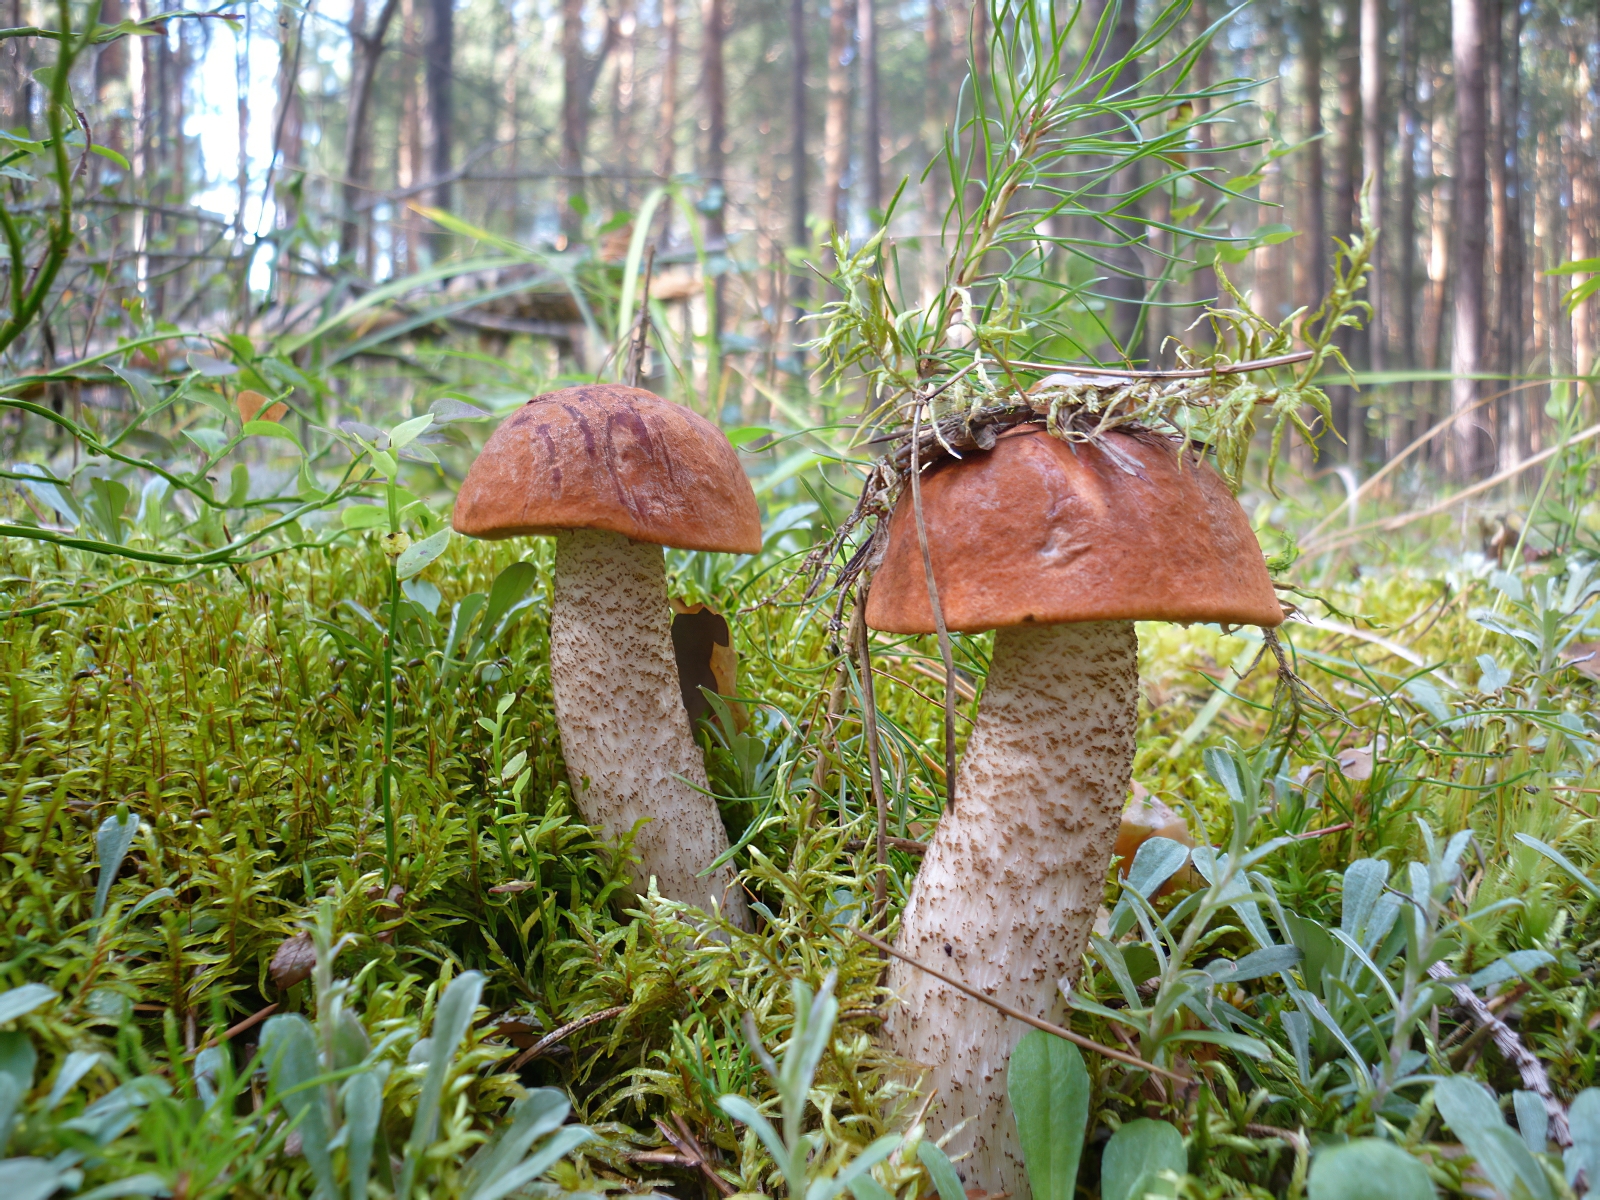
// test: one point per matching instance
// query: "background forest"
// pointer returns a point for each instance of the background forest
(294, 896)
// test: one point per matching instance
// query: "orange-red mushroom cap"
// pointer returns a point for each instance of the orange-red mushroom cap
(611, 457)
(1040, 530)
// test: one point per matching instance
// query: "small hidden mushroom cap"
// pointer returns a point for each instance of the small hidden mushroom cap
(1039, 530)
(611, 457)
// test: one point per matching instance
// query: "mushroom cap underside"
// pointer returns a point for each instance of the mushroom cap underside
(616, 458)
(1040, 530)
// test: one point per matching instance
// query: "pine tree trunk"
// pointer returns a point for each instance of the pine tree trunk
(574, 114)
(438, 59)
(366, 46)
(714, 167)
(1124, 284)
(1403, 247)
(1468, 327)
(1372, 129)
(799, 233)
(1312, 273)
(1348, 407)
(836, 121)
(667, 124)
(871, 117)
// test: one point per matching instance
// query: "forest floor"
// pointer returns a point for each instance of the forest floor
(190, 801)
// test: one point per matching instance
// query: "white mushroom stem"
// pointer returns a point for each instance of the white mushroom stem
(624, 732)
(1013, 877)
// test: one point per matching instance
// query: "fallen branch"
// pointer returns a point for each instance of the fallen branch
(561, 1034)
(1016, 1014)
(1510, 1045)
(1390, 524)
(683, 1140)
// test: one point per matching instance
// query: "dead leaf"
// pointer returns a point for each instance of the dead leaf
(703, 645)
(1355, 762)
(251, 403)
(292, 962)
(515, 887)
(1583, 657)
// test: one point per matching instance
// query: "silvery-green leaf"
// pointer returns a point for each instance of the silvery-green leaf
(17, 1058)
(539, 1112)
(558, 1147)
(1363, 884)
(363, 1109)
(1513, 965)
(33, 1178)
(450, 1024)
(1533, 1120)
(1367, 1169)
(1583, 1120)
(1493, 676)
(1467, 1108)
(289, 1050)
(20, 1001)
(1255, 965)
(73, 1068)
(134, 1185)
(10, 1100)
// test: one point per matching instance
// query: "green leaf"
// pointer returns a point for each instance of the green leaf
(746, 434)
(403, 434)
(941, 1171)
(509, 587)
(1135, 1154)
(1368, 1169)
(111, 846)
(108, 153)
(419, 554)
(271, 429)
(209, 440)
(1049, 1091)
(363, 516)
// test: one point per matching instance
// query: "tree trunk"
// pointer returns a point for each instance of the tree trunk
(1403, 246)
(872, 133)
(1312, 281)
(799, 233)
(667, 125)
(1467, 438)
(1124, 282)
(1514, 264)
(365, 49)
(836, 121)
(1013, 877)
(1372, 129)
(1348, 409)
(713, 83)
(438, 57)
(1580, 214)
(574, 114)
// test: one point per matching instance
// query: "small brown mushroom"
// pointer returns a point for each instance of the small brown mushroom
(1059, 548)
(614, 474)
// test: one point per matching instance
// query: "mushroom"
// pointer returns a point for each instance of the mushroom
(1059, 548)
(614, 474)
